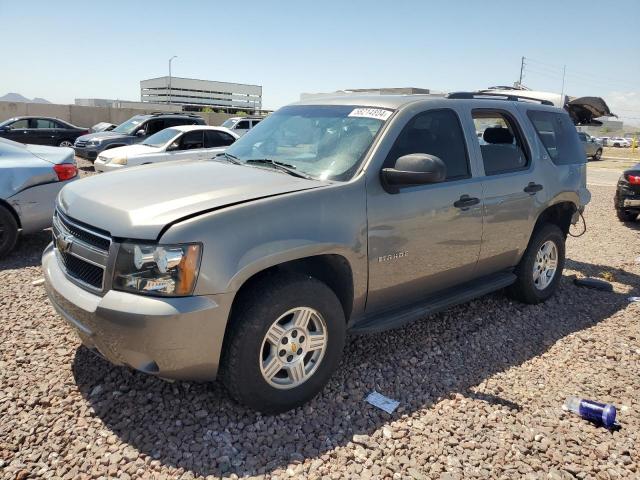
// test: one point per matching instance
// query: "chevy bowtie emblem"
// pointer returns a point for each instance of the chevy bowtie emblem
(294, 347)
(63, 242)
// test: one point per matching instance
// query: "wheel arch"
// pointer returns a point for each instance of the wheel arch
(559, 213)
(333, 269)
(12, 211)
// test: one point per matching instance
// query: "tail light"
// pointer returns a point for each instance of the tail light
(65, 171)
(633, 179)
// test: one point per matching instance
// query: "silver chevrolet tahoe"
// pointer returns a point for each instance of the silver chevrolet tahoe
(353, 214)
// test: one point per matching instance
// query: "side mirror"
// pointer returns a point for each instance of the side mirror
(173, 146)
(413, 169)
(141, 133)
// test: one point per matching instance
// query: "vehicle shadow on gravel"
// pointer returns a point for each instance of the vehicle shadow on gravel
(28, 251)
(198, 428)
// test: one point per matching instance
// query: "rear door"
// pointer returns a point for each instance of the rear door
(424, 238)
(216, 142)
(512, 189)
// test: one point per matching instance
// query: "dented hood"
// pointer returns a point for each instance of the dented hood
(585, 110)
(139, 202)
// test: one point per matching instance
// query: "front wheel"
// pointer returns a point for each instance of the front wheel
(540, 268)
(285, 340)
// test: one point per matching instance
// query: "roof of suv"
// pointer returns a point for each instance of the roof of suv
(397, 101)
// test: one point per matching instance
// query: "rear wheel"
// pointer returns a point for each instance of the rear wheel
(540, 268)
(598, 154)
(65, 143)
(626, 215)
(285, 341)
(8, 231)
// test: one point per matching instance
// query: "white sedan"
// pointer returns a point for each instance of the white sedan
(194, 142)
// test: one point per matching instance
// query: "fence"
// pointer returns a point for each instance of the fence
(87, 116)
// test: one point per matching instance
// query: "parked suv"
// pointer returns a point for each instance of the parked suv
(627, 198)
(241, 125)
(134, 130)
(351, 214)
(592, 148)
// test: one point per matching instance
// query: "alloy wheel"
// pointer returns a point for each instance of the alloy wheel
(293, 348)
(545, 265)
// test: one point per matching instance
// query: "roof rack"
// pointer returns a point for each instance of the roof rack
(183, 114)
(504, 96)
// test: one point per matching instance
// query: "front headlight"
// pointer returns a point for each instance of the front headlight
(93, 143)
(165, 270)
(118, 160)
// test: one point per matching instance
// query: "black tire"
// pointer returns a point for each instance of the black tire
(598, 154)
(626, 215)
(524, 289)
(266, 301)
(8, 231)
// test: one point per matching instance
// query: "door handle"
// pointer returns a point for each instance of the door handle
(465, 202)
(533, 188)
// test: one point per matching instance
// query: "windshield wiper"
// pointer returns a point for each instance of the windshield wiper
(230, 158)
(285, 167)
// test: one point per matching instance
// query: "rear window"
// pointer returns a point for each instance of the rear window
(559, 136)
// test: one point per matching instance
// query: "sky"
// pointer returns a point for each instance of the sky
(79, 49)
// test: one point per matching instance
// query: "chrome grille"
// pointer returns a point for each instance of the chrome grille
(80, 143)
(81, 250)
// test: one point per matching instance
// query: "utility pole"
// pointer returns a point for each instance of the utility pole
(521, 72)
(175, 56)
(564, 70)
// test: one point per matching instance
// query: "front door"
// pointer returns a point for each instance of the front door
(424, 238)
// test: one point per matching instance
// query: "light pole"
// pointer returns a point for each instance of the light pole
(175, 56)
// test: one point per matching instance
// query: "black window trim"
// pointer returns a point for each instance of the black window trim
(521, 137)
(464, 138)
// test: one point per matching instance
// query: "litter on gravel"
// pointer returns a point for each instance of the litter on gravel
(385, 403)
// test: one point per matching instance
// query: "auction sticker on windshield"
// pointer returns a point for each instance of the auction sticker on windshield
(377, 113)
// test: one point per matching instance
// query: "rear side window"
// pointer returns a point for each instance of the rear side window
(501, 144)
(44, 123)
(214, 138)
(558, 135)
(434, 132)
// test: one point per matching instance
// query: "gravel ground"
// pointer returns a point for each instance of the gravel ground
(480, 385)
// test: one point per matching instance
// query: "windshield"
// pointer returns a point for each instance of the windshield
(130, 125)
(162, 137)
(229, 123)
(326, 142)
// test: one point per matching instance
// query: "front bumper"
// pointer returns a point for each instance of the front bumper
(90, 153)
(102, 166)
(177, 338)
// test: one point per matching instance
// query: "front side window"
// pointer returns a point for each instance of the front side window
(558, 135)
(161, 138)
(438, 133)
(19, 124)
(501, 142)
(130, 125)
(323, 141)
(154, 126)
(192, 140)
(243, 125)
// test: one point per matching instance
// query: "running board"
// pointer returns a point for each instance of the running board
(434, 304)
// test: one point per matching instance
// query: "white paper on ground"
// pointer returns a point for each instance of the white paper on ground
(385, 403)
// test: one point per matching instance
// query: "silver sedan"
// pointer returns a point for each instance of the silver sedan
(30, 178)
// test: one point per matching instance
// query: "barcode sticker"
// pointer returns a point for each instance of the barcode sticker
(377, 113)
